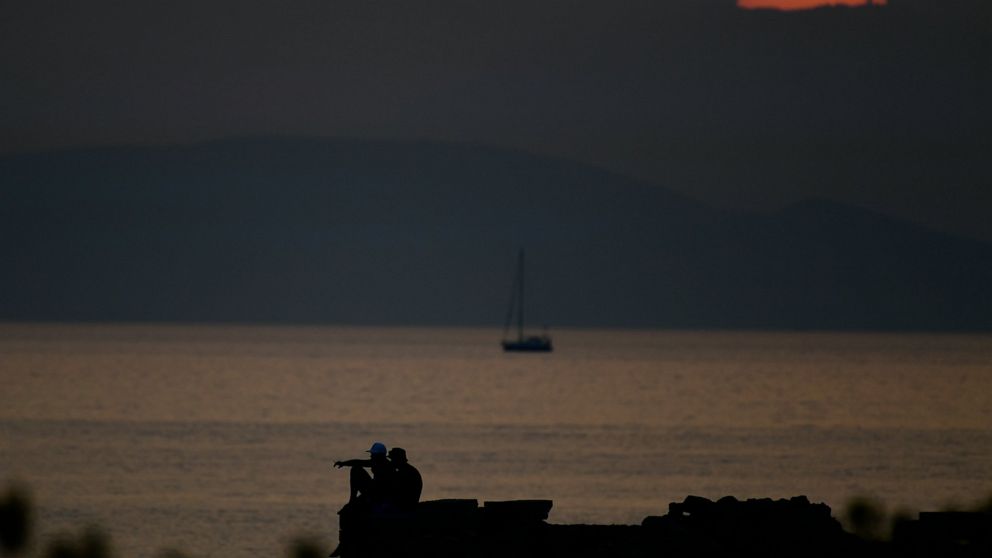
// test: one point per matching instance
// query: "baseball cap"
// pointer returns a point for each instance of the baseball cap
(378, 448)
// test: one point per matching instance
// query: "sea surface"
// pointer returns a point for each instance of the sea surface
(219, 440)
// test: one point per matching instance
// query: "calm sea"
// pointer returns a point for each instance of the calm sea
(219, 440)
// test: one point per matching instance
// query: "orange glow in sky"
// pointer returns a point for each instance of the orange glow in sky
(804, 4)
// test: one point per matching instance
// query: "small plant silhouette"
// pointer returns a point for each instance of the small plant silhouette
(16, 520)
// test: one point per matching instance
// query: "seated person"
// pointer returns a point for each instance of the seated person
(406, 482)
(370, 492)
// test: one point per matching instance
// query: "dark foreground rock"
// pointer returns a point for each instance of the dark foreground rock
(952, 534)
(695, 527)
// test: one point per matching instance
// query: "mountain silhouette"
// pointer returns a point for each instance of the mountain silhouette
(377, 232)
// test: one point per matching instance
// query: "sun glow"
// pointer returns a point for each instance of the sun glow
(804, 4)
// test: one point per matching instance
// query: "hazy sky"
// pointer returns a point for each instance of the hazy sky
(885, 107)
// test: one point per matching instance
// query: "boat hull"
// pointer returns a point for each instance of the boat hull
(531, 344)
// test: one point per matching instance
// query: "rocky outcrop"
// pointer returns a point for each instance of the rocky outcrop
(952, 534)
(695, 527)
(756, 527)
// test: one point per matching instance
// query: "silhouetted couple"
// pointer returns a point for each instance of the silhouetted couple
(393, 488)
(394, 484)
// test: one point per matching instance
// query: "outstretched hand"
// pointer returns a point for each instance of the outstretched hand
(338, 464)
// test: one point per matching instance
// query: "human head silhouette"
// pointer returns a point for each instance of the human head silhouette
(377, 451)
(378, 448)
(397, 455)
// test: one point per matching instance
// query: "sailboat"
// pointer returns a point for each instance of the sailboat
(534, 343)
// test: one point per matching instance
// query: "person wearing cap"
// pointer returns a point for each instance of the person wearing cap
(369, 493)
(371, 490)
(407, 482)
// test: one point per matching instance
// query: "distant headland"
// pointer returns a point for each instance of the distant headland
(425, 233)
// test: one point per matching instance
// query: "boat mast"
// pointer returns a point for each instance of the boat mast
(520, 280)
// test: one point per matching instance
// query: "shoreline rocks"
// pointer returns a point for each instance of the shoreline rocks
(695, 527)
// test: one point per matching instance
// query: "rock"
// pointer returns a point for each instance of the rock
(695, 527)
(517, 511)
(958, 534)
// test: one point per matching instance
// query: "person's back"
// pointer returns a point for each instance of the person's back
(407, 482)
